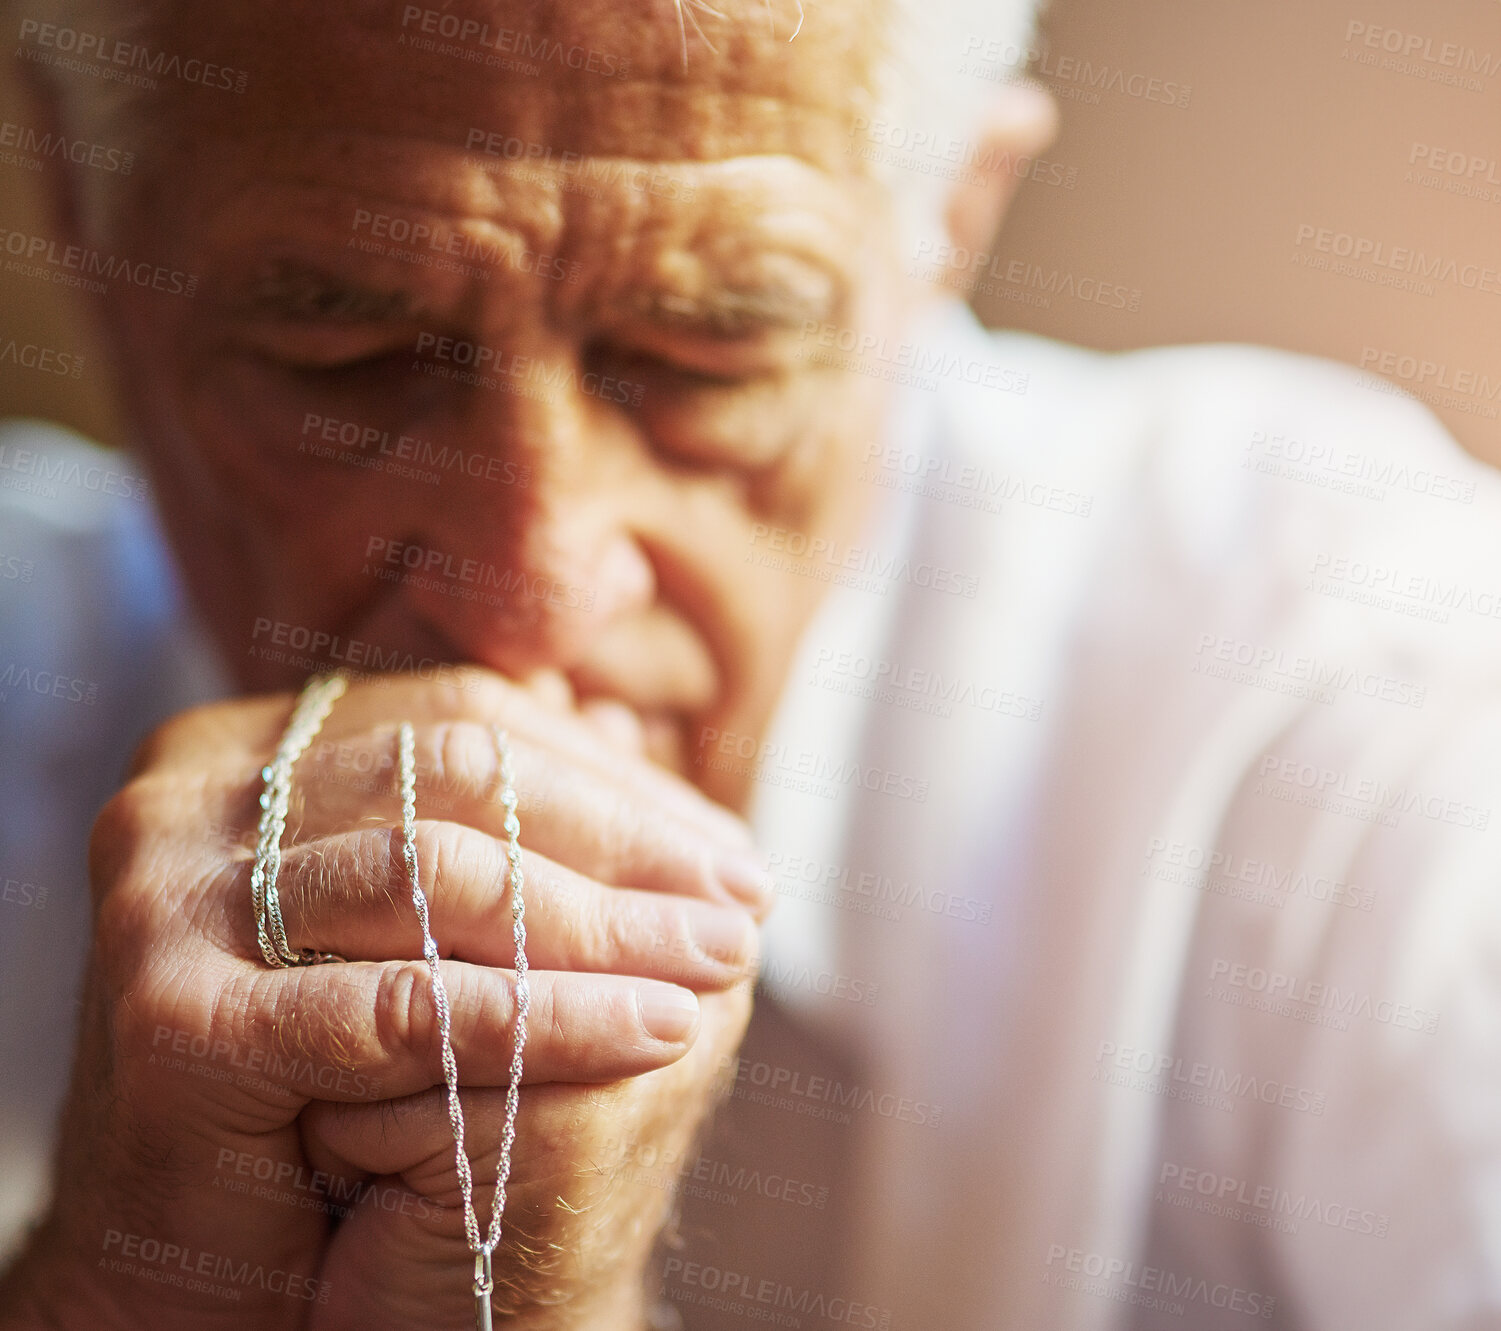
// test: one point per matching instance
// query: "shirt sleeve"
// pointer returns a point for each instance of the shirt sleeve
(1344, 980)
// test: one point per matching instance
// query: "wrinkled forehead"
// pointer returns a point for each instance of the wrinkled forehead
(649, 79)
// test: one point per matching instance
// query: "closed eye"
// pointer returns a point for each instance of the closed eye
(666, 373)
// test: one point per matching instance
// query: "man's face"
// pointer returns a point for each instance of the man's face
(506, 341)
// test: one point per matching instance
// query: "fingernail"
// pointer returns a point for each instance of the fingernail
(669, 1013)
(745, 876)
(725, 934)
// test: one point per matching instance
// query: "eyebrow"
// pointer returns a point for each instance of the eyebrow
(305, 294)
(733, 312)
(291, 291)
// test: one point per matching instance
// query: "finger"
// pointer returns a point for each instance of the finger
(598, 827)
(561, 1132)
(378, 1024)
(550, 687)
(222, 734)
(350, 894)
(486, 698)
(409, 1222)
(411, 1137)
(244, 732)
(620, 726)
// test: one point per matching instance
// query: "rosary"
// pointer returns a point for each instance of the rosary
(313, 706)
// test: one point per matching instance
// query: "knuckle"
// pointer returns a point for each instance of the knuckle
(164, 1010)
(123, 939)
(116, 836)
(449, 856)
(729, 1017)
(559, 1132)
(691, 862)
(549, 1017)
(320, 881)
(160, 744)
(405, 1016)
(184, 733)
(304, 1041)
(485, 692)
(672, 847)
(602, 932)
(626, 834)
(748, 960)
(672, 933)
(126, 842)
(463, 759)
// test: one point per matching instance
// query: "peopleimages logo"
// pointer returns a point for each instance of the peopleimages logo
(770, 1300)
(422, 25)
(1279, 670)
(46, 684)
(1370, 253)
(1441, 61)
(173, 1264)
(108, 58)
(1300, 992)
(404, 455)
(875, 355)
(1207, 1084)
(949, 158)
(41, 144)
(823, 1097)
(1071, 77)
(868, 892)
(468, 579)
(966, 484)
(1140, 1279)
(1416, 594)
(1454, 162)
(435, 243)
(1440, 385)
(78, 265)
(942, 261)
(822, 558)
(220, 1060)
(40, 471)
(1225, 873)
(1280, 776)
(284, 643)
(268, 1179)
(908, 686)
(1262, 1204)
(44, 360)
(801, 769)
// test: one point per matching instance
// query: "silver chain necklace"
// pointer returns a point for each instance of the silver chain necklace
(311, 710)
(314, 703)
(483, 1249)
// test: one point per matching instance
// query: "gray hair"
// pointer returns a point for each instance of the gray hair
(944, 60)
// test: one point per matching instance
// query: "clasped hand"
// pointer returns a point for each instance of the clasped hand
(261, 1147)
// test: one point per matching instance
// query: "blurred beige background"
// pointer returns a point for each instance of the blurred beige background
(1200, 207)
(1310, 127)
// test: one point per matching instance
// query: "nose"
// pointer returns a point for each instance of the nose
(538, 558)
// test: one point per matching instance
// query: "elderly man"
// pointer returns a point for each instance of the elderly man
(1117, 731)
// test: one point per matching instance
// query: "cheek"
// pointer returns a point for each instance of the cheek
(755, 427)
(284, 510)
(814, 490)
(307, 469)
